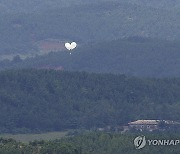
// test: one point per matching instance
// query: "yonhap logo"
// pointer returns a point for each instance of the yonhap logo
(140, 142)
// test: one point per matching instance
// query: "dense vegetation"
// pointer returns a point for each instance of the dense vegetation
(90, 143)
(135, 56)
(42, 100)
(133, 37)
(23, 23)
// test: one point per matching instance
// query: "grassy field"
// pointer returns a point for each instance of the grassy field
(31, 137)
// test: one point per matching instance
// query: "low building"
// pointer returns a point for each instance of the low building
(141, 125)
(151, 125)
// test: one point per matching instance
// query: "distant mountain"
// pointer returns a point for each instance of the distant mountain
(134, 56)
(23, 23)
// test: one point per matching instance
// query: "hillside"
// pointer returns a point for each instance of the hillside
(135, 56)
(42, 100)
(24, 23)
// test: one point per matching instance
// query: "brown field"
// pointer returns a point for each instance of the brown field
(47, 46)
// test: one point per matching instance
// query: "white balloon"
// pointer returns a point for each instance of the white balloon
(68, 46)
(71, 46)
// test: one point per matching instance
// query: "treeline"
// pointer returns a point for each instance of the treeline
(90, 143)
(48, 100)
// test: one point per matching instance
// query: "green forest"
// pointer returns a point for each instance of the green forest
(125, 67)
(90, 143)
(47, 100)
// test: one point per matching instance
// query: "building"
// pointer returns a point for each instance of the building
(151, 125)
(141, 125)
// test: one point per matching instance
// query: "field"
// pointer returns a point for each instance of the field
(31, 137)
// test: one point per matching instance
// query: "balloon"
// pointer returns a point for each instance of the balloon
(70, 46)
(73, 45)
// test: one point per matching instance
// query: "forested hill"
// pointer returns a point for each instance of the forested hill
(24, 23)
(44, 100)
(135, 56)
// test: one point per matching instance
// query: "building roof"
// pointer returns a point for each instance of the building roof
(144, 122)
(153, 122)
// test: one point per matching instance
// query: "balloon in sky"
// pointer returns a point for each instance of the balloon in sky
(70, 46)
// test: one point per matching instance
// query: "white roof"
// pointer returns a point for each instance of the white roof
(152, 122)
(144, 122)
